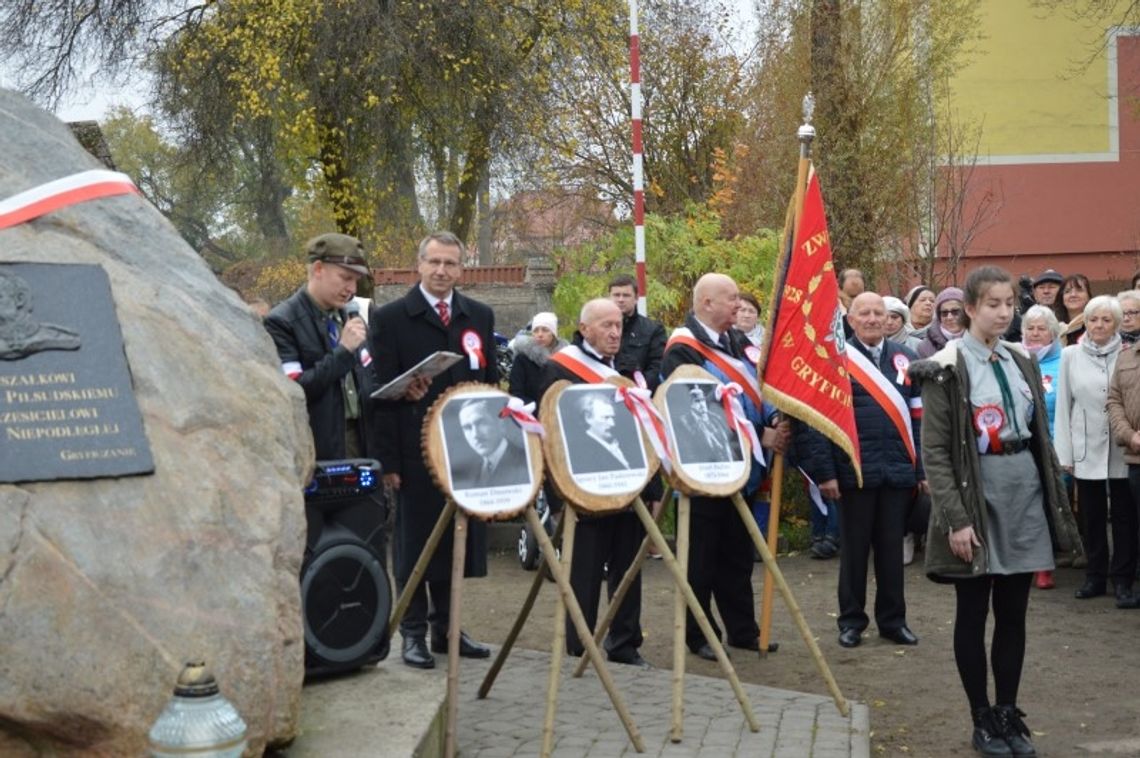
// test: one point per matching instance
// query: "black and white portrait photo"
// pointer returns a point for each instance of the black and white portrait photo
(703, 442)
(488, 461)
(601, 437)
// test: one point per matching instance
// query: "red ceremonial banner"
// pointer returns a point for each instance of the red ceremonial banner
(805, 374)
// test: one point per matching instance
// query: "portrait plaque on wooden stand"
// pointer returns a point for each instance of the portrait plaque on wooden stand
(478, 454)
(597, 454)
(710, 455)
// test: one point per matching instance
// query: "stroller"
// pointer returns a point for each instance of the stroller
(530, 553)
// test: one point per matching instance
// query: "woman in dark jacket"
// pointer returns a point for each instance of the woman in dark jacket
(531, 354)
(997, 497)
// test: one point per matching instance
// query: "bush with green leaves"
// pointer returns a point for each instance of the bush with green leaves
(679, 250)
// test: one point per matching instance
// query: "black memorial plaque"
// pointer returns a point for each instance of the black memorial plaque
(67, 407)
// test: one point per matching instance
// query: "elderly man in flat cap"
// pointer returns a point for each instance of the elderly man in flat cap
(319, 342)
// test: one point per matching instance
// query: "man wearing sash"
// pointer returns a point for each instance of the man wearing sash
(720, 550)
(888, 414)
(431, 317)
(601, 540)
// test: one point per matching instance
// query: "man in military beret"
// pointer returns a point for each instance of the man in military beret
(321, 346)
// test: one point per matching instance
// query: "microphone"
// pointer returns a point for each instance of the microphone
(352, 310)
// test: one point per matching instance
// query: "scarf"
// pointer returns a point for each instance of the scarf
(1100, 351)
(1043, 352)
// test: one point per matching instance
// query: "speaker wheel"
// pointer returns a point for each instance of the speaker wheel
(346, 600)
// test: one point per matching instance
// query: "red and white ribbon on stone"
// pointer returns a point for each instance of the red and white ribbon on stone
(523, 414)
(60, 193)
(638, 401)
(728, 395)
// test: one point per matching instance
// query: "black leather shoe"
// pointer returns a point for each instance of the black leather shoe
(1125, 598)
(900, 636)
(1013, 730)
(468, 648)
(987, 738)
(850, 637)
(632, 660)
(705, 651)
(416, 653)
(1091, 588)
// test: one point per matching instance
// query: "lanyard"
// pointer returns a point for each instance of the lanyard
(1006, 394)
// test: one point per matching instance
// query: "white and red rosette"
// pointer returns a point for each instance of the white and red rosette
(729, 397)
(901, 364)
(472, 345)
(523, 415)
(988, 420)
(638, 401)
(752, 353)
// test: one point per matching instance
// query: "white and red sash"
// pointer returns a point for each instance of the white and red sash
(583, 365)
(886, 395)
(733, 368)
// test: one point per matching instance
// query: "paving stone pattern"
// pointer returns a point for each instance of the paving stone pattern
(509, 721)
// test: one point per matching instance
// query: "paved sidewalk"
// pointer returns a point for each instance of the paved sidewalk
(509, 721)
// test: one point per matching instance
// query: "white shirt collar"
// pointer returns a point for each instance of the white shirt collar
(613, 447)
(432, 299)
(713, 333)
(497, 454)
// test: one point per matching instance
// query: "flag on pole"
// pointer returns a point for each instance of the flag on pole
(805, 371)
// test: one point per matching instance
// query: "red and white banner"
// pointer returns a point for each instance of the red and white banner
(60, 193)
(805, 373)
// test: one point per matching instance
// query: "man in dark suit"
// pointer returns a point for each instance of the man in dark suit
(600, 540)
(431, 317)
(720, 550)
(872, 516)
(497, 462)
(599, 447)
(320, 346)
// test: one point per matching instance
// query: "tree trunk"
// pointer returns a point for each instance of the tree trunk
(485, 233)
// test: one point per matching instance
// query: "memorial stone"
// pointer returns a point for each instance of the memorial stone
(115, 569)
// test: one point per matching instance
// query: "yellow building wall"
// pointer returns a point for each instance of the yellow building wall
(1030, 85)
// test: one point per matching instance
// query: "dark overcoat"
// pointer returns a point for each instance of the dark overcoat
(404, 332)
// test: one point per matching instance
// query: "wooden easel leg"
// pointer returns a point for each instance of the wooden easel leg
(520, 622)
(458, 558)
(679, 647)
(562, 579)
(619, 597)
(778, 579)
(420, 568)
(570, 519)
(766, 598)
(682, 583)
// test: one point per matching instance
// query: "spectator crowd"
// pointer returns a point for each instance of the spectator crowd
(998, 423)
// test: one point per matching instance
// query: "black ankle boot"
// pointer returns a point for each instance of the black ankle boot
(1014, 730)
(987, 734)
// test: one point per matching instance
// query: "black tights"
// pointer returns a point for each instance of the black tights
(1007, 651)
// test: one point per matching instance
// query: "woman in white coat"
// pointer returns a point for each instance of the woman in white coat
(1086, 450)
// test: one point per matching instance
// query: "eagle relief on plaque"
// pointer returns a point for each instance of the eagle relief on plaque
(67, 407)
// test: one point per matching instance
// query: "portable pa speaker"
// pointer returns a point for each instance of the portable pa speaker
(346, 596)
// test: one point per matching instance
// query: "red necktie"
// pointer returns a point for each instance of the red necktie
(444, 314)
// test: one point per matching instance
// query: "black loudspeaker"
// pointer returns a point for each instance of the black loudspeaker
(346, 596)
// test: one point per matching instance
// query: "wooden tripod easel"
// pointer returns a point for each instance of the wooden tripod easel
(679, 612)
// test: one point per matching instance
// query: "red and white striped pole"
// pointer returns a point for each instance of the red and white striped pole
(638, 168)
